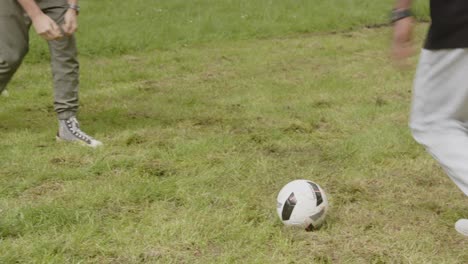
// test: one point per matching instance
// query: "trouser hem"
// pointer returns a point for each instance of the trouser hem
(65, 115)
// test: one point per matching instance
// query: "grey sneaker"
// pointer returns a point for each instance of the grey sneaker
(69, 130)
(5, 93)
(462, 226)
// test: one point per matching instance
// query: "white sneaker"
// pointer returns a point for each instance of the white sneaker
(462, 226)
(69, 130)
(5, 93)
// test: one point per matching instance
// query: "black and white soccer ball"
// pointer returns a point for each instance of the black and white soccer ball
(302, 203)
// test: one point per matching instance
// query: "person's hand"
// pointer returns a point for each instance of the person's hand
(402, 47)
(71, 22)
(46, 27)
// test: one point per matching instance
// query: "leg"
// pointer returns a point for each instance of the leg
(439, 117)
(14, 27)
(65, 66)
(65, 71)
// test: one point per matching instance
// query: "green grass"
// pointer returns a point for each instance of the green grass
(199, 140)
(120, 27)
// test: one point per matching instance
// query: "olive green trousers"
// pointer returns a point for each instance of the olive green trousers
(14, 44)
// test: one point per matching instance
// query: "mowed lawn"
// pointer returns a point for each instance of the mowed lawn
(200, 138)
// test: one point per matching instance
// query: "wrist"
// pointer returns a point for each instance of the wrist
(74, 7)
(399, 14)
(33, 11)
(35, 15)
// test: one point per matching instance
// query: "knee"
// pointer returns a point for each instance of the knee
(12, 60)
(416, 130)
(421, 133)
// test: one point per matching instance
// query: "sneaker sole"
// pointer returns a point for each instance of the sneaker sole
(77, 142)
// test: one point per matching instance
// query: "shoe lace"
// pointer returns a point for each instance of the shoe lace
(74, 127)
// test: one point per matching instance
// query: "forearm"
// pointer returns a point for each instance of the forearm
(402, 4)
(31, 8)
(402, 47)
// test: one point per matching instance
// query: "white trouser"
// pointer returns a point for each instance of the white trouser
(439, 115)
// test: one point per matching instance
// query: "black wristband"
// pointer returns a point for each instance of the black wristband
(400, 14)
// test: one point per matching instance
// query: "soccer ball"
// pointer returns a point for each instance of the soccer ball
(302, 203)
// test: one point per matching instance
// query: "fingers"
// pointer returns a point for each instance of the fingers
(47, 28)
(52, 32)
(69, 28)
(50, 36)
(71, 23)
(56, 31)
(403, 51)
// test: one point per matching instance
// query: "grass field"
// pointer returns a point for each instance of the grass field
(109, 28)
(199, 138)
